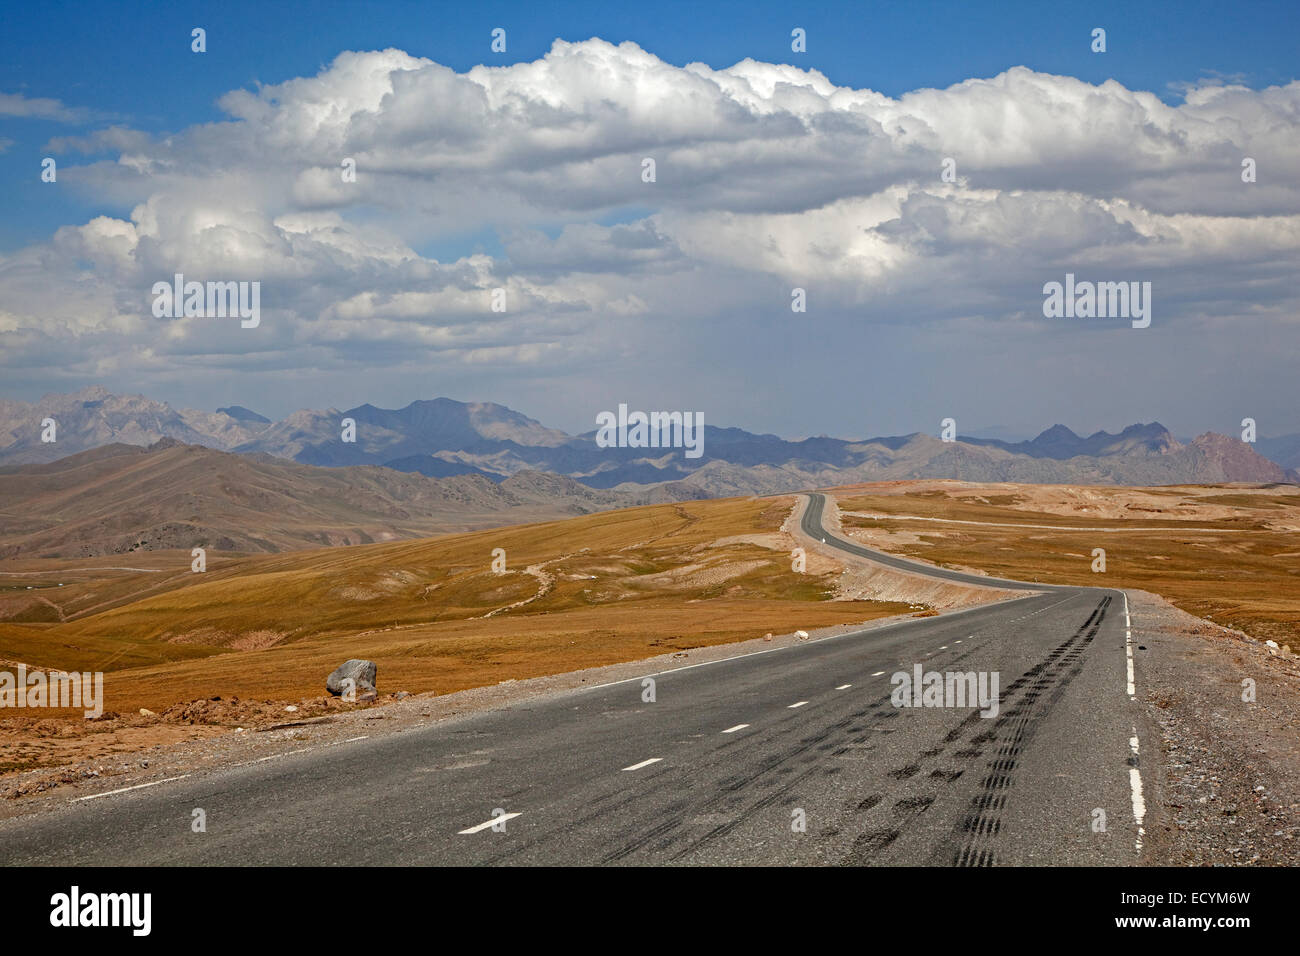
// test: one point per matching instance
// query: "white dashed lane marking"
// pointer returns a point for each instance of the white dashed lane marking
(729, 730)
(797, 704)
(644, 763)
(844, 687)
(483, 826)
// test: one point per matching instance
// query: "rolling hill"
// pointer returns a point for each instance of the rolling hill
(123, 498)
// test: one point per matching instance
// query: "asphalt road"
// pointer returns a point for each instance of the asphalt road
(811, 524)
(722, 768)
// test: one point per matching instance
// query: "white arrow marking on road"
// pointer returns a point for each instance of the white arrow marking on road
(495, 820)
(644, 763)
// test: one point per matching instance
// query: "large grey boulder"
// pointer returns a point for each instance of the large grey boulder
(357, 675)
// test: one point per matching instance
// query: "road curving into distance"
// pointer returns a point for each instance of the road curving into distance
(793, 755)
(811, 524)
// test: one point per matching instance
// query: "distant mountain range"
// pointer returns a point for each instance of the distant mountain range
(1285, 450)
(443, 439)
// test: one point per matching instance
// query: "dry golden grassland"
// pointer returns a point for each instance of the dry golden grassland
(593, 590)
(1228, 553)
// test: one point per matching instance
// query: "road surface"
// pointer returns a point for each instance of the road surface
(794, 755)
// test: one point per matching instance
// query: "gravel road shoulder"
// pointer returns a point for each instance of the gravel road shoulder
(1230, 793)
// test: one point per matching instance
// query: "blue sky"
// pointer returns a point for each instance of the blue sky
(131, 63)
(924, 294)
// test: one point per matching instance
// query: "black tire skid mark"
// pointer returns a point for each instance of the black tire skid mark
(975, 837)
(991, 797)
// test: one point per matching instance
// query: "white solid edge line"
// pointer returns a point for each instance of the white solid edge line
(644, 763)
(1134, 774)
(1128, 650)
(729, 730)
(797, 704)
(138, 786)
(483, 826)
(1135, 788)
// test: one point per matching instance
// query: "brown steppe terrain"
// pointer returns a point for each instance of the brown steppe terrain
(233, 647)
(1226, 553)
(262, 631)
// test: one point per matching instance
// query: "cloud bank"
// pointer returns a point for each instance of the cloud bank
(767, 178)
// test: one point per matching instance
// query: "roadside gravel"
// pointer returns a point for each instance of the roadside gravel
(1231, 789)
